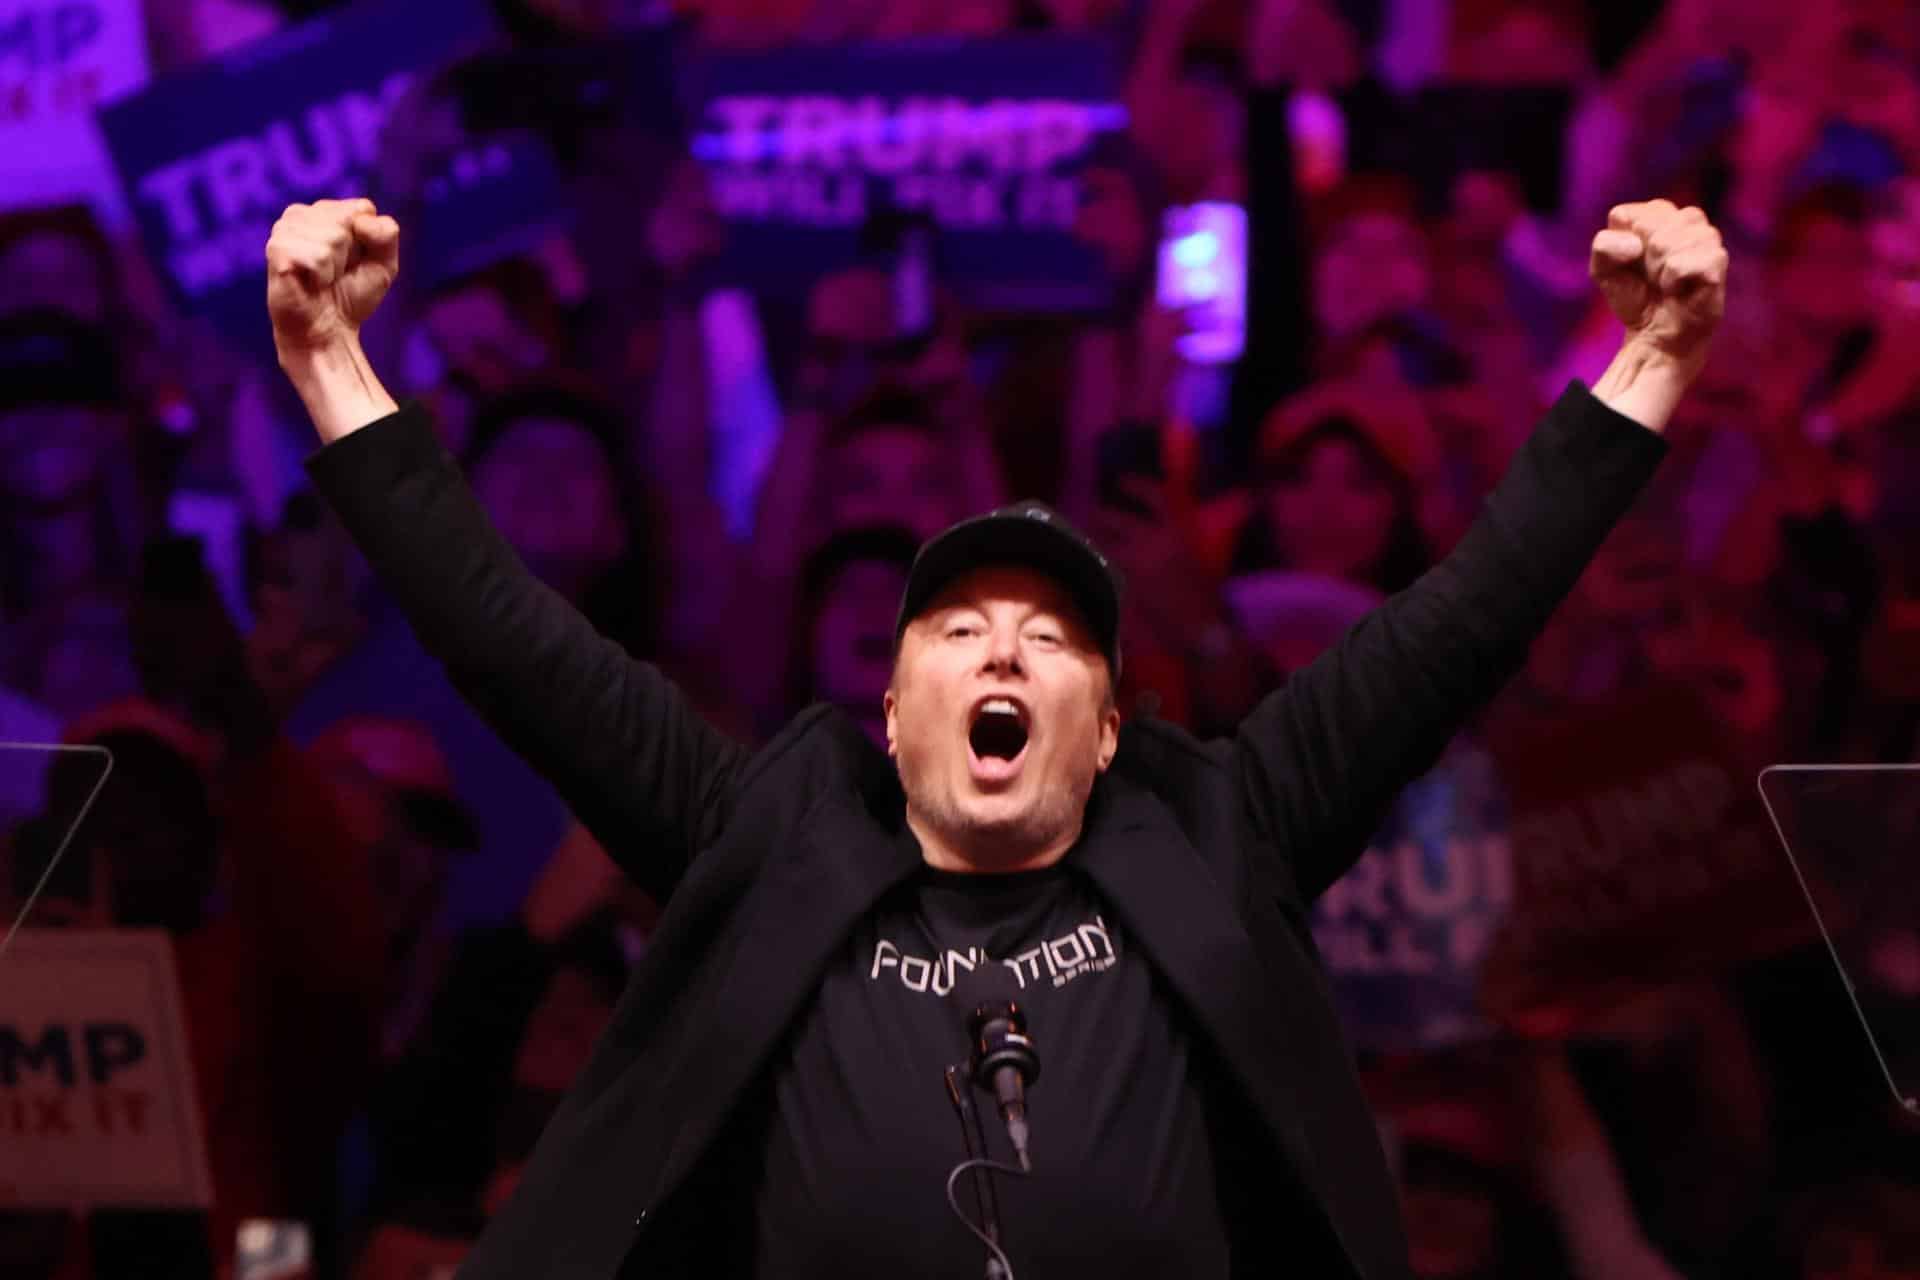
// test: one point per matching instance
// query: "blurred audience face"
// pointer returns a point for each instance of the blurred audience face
(1710, 649)
(1528, 44)
(852, 642)
(1373, 266)
(1634, 574)
(162, 864)
(476, 338)
(1472, 306)
(852, 306)
(51, 455)
(410, 875)
(1484, 205)
(396, 794)
(486, 346)
(49, 268)
(1209, 114)
(1821, 285)
(305, 602)
(1876, 89)
(854, 344)
(149, 840)
(550, 490)
(1895, 240)
(1000, 632)
(83, 656)
(1333, 511)
(891, 475)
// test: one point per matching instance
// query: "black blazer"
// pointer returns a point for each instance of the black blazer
(1207, 852)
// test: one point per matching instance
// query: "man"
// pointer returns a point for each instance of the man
(767, 1098)
(397, 796)
(847, 600)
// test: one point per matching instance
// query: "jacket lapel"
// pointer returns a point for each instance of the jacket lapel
(1169, 901)
(842, 860)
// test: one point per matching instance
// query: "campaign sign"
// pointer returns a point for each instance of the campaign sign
(209, 158)
(58, 60)
(1642, 858)
(1405, 932)
(496, 196)
(989, 140)
(97, 1101)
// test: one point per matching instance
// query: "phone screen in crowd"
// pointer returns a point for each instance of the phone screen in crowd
(1203, 276)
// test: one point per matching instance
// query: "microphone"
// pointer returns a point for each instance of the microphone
(1002, 1060)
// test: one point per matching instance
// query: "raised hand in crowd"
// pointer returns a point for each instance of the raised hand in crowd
(1577, 1170)
(578, 881)
(684, 230)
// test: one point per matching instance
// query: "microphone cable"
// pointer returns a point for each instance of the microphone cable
(999, 1258)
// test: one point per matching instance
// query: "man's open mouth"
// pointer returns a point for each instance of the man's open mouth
(999, 729)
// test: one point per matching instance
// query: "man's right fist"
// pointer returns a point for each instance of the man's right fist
(328, 266)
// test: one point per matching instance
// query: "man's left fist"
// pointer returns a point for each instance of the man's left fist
(1664, 272)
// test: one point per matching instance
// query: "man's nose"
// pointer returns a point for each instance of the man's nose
(1003, 650)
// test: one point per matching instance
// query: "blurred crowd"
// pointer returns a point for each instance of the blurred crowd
(396, 946)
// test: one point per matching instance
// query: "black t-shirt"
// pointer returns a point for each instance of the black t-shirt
(860, 1134)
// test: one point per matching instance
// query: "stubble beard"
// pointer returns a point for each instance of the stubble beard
(1056, 811)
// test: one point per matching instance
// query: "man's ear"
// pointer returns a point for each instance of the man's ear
(891, 704)
(1109, 735)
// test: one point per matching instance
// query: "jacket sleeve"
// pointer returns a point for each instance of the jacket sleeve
(624, 748)
(1321, 758)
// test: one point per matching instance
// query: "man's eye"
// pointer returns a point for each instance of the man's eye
(961, 630)
(1048, 638)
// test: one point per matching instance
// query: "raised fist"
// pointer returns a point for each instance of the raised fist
(328, 266)
(1664, 272)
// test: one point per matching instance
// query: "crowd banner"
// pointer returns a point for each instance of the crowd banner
(1642, 858)
(988, 140)
(210, 157)
(1404, 933)
(493, 198)
(97, 1100)
(59, 59)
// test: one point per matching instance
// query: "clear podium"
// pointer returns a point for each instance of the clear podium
(1851, 835)
(46, 792)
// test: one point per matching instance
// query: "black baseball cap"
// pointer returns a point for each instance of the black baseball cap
(1032, 535)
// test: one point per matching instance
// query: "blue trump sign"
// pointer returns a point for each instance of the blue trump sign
(210, 157)
(986, 140)
(1405, 933)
